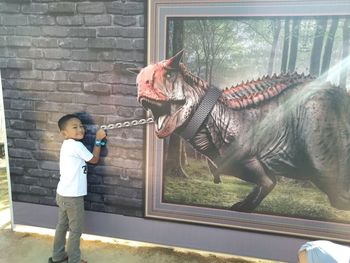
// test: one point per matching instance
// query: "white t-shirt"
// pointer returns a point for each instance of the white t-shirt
(73, 168)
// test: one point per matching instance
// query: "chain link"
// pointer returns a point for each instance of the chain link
(127, 124)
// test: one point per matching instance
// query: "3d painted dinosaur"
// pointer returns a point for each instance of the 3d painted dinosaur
(288, 125)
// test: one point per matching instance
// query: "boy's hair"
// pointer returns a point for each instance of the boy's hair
(63, 120)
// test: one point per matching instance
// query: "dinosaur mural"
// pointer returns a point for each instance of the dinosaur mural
(288, 125)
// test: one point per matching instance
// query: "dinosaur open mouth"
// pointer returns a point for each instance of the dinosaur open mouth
(164, 114)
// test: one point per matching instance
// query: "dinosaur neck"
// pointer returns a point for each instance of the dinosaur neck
(221, 129)
(212, 137)
(198, 85)
(200, 114)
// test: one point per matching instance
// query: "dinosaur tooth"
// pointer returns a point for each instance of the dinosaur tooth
(161, 120)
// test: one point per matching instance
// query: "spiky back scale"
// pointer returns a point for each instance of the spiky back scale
(255, 92)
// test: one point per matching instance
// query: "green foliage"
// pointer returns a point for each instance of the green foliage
(227, 51)
(289, 198)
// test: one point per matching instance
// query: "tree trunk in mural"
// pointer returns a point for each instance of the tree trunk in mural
(176, 155)
(316, 51)
(178, 41)
(203, 35)
(285, 46)
(326, 61)
(276, 33)
(294, 45)
(345, 44)
(208, 44)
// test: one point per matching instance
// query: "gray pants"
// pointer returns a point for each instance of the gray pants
(70, 217)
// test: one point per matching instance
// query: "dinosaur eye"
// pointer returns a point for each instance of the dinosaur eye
(168, 75)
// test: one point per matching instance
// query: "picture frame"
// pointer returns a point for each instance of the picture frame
(159, 11)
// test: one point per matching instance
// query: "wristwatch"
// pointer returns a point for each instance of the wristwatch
(100, 143)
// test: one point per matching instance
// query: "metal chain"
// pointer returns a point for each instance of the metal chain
(126, 124)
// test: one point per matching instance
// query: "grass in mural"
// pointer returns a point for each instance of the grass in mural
(289, 197)
(4, 195)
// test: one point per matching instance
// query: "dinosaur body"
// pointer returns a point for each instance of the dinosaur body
(289, 125)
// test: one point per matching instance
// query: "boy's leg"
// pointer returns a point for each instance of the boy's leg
(76, 223)
(59, 252)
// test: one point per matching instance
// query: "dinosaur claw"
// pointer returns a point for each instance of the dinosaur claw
(217, 180)
(241, 207)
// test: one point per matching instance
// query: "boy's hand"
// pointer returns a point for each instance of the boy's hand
(100, 134)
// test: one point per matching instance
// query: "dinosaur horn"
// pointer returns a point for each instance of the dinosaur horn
(134, 70)
(174, 61)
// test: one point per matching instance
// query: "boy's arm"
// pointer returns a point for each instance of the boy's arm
(100, 134)
(96, 152)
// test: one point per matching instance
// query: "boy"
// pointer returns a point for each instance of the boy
(72, 187)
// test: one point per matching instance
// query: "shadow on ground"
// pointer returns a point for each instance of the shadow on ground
(33, 248)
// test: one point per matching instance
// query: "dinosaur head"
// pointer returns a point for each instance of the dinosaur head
(161, 89)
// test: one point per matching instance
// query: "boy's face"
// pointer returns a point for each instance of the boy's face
(74, 129)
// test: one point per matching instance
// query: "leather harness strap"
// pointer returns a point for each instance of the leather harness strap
(203, 110)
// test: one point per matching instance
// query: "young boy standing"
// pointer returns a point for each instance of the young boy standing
(72, 187)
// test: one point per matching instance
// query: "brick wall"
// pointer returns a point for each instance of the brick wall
(59, 57)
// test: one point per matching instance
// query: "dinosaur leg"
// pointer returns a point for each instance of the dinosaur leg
(342, 201)
(254, 172)
(338, 191)
(339, 195)
(214, 170)
(332, 175)
(327, 145)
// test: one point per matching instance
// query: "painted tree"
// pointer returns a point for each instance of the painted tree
(286, 41)
(345, 54)
(176, 154)
(175, 36)
(208, 40)
(276, 25)
(316, 52)
(327, 54)
(293, 51)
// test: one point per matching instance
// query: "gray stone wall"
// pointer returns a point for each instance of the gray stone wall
(59, 57)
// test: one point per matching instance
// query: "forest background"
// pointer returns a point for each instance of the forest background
(226, 52)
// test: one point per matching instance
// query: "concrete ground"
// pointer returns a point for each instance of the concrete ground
(27, 247)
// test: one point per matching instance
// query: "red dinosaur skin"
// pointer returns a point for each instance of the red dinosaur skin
(147, 88)
(288, 125)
